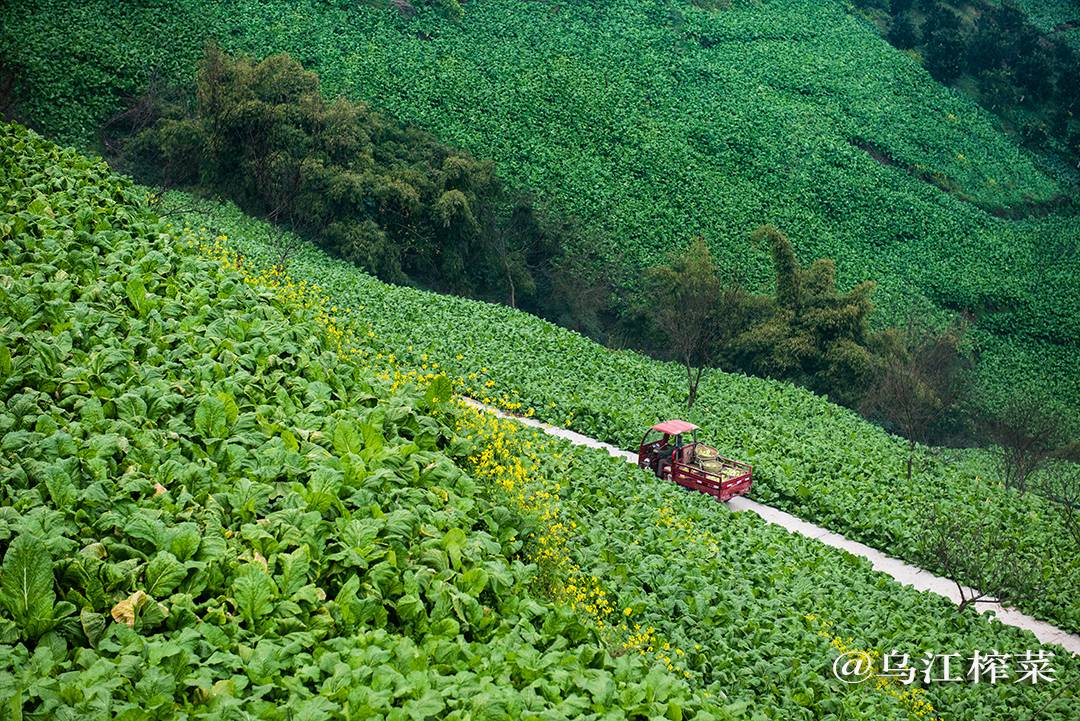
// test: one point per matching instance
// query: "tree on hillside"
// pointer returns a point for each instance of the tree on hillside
(919, 380)
(687, 301)
(945, 43)
(525, 244)
(1059, 481)
(809, 332)
(581, 295)
(903, 33)
(980, 557)
(1026, 435)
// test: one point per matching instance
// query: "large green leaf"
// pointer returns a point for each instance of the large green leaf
(136, 293)
(93, 625)
(163, 574)
(26, 585)
(427, 706)
(346, 438)
(438, 391)
(454, 543)
(211, 419)
(254, 593)
(372, 435)
(294, 571)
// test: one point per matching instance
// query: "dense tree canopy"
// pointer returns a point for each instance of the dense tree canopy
(380, 193)
(807, 331)
(810, 332)
(686, 305)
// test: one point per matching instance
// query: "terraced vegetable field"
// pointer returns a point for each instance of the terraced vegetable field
(218, 500)
(812, 458)
(743, 608)
(653, 121)
(206, 511)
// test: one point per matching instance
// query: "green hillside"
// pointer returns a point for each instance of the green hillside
(654, 121)
(815, 459)
(219, 502)
(1062, 17)
(208, 511)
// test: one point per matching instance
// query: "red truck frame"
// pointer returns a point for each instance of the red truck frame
(692, 464)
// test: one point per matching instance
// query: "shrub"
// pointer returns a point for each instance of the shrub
(379, 193)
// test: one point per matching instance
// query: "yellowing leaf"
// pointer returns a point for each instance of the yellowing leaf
(124, 612)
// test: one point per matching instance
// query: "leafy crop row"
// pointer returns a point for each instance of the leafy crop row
(812, 458)
(748, 611)
(208, 510)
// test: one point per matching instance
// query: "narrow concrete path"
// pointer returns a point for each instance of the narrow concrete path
(901, 571)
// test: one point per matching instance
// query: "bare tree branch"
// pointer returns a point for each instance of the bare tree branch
(1059, 481)
(977, 554)
(1026, 436)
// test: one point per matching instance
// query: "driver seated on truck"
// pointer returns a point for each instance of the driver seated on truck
(654, 448)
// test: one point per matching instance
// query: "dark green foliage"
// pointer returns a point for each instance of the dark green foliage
(1025, 74)
(809, 332)
(383, 195)
(785, 266)
(450, 9)
(686, 304)
(920, 381)
(7, 90)
(1059, 481)
(944, 44)
(903, 32)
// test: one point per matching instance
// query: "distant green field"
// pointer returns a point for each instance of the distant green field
(652, 121)
(813, 458)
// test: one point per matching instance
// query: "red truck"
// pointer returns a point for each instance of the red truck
(666, 451)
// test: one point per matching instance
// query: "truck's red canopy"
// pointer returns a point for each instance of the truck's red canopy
(674, 427)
